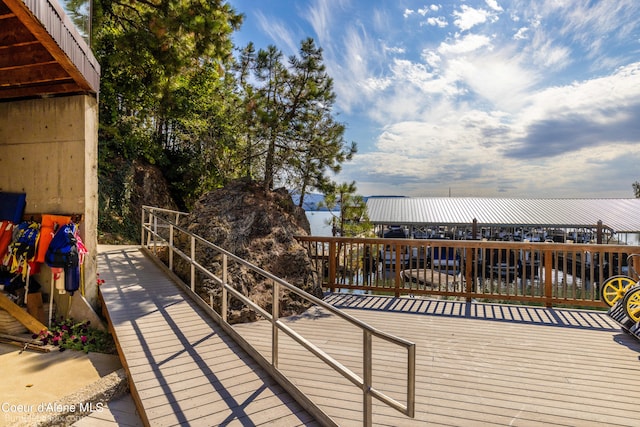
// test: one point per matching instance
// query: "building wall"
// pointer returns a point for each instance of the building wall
(48, 150)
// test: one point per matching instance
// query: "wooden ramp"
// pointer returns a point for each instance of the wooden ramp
(183, 369)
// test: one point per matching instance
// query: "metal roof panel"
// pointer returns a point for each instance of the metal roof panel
(620, 215)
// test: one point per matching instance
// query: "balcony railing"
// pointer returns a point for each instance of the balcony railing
(174, 246)
(549, 274)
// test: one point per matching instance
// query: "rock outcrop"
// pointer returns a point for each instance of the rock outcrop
(259, 227)
(123, 192)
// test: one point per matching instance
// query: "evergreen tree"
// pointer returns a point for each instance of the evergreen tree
(296, 137)
(173, 95)
(165, 95)
(353, 219)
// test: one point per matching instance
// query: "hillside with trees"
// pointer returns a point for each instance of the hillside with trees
(178, 96)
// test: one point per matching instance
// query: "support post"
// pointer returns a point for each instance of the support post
(548, 277)
(332, 266)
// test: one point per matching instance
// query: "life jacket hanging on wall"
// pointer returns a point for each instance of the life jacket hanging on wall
(21, 254)
(48, 228)
(63, 253)
(6, 234)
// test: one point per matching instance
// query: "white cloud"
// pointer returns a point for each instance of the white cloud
(372, 85)
(439, 21)
(548, 56)
(318, 14)
(431, 58)
(395, 49)
(466, 44)
(468, 17)
(493, 5)
(521, 34)
(482, 112)
(278, 31)
(478, 152)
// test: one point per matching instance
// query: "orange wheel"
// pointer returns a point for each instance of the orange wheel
(614, 288)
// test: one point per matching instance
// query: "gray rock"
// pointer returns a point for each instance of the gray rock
(259, 227)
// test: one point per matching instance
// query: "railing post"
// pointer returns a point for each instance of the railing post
(142, 227)
(548, 277)
(398, 251)
(332, 266)
(275, 313)
(171, 231)
(368, 378)
(224, 303)
(155, 233)
(411, 381)
(469, 257)
(193, 267)
(599, 232)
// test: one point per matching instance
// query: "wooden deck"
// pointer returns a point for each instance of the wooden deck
(477, 364)
(183, 369)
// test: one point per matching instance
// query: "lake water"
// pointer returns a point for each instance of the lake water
(318, 222)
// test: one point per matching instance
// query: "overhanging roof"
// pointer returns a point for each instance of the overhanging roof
(42, 53)
(619, 215)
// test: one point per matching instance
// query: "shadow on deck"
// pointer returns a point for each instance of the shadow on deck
(183, 369)
(532, 315)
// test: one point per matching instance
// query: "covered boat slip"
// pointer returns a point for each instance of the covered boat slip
(476, 364)
(558, 220)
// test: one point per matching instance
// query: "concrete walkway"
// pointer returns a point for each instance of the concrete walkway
(39, 387)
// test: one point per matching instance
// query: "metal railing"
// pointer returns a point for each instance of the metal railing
(528, 272)
(162, 236)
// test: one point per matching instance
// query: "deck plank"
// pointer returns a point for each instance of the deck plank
(183, 368)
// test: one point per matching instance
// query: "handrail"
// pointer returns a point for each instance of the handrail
(153, 225)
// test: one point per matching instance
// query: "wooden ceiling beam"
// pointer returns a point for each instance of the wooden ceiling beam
(38, 73)
(23, 54)
(36, 30)
(14, 31)
(15, 92)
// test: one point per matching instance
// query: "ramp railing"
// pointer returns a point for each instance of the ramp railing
(164, 238)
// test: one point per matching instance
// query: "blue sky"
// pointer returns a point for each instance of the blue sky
(523, 98)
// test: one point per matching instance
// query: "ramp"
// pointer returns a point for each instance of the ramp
(183, 369)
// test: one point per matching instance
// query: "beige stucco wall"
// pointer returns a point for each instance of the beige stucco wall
(49, 149)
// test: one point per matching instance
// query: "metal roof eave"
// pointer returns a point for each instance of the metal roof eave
(617, 215)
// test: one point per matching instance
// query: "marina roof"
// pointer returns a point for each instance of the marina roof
(619, 215)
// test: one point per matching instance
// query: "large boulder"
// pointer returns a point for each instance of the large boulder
(124, 189)
(258, 226)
